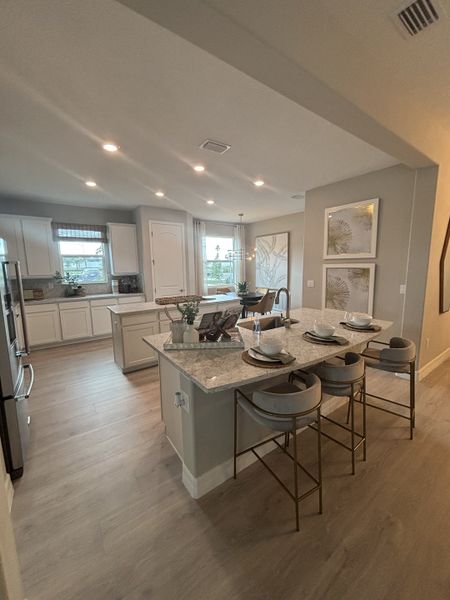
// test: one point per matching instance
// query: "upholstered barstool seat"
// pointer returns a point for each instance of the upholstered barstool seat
(345, 377)
(397, 356)
(284, 408)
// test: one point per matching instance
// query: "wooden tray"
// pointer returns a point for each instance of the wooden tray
(263, 365)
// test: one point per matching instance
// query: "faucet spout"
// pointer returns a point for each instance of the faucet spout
(288, 300)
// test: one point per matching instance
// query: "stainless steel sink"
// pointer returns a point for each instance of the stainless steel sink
(267, 323)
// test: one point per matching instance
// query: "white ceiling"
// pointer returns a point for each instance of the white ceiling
(74, 74)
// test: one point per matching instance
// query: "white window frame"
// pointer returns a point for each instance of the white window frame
(107, 269)
(219, 283)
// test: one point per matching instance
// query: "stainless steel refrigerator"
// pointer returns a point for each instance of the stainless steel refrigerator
(16, 373)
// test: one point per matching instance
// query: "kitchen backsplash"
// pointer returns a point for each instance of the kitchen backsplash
(51, 289)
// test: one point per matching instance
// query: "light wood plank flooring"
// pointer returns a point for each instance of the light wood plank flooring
(101, 513)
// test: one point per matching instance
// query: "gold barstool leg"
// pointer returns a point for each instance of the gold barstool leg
(363, 398)
(412, 399)
(319, 455)
(352, 425)
(235, 434)
(294, 436)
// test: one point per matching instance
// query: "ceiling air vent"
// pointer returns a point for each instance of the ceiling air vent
(416, 16)
(216, 147)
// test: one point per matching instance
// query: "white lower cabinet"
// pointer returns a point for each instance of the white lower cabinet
(136, 352)
(43, 324)
(101, 316)
(75, 320)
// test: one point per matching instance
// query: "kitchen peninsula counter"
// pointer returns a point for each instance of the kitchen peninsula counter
(201, 430)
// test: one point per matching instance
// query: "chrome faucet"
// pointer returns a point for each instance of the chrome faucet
(288, 304)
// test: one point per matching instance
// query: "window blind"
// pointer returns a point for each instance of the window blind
(71, 232)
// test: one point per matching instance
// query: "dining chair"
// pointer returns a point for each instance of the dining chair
(396, 356)
(284, 408)
(265, 305)
(345, 377)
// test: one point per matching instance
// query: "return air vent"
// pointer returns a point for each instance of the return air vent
(417, 16)
(216, 147)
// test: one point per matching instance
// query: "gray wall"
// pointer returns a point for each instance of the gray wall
(64, 213)
(294, 224)
(403, 194)
(142, 216)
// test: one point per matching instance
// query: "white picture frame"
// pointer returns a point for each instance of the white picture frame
(350, 230)
(351, 293)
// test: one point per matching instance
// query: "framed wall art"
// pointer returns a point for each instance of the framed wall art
(272, 258)
(349, 287)
(351, 230)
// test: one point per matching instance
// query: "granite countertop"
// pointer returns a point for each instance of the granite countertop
(217, 370)
(140, 307)
(57, 299)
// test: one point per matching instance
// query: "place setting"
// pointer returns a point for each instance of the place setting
(268, 354)
(359, 322)
(323, 334)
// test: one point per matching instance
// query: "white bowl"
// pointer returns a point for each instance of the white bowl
(362, 320)
(270, 346)
(324, 329)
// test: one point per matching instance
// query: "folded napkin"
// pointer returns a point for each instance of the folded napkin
(371, 327)
(333, 339)
(283, 357)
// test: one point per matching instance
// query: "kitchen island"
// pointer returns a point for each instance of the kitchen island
(197, 394)
(131, 323)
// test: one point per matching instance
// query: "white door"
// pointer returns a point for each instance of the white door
(168, 264)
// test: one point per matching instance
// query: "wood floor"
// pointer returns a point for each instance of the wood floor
(101, 513)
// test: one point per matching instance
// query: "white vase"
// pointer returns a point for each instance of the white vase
(177, 328)
(190, 335)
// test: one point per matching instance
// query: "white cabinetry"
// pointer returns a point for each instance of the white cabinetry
(29, 239)
(75, 320)
(43, 324)
(123, 249)
(131, 300)
(101, 316)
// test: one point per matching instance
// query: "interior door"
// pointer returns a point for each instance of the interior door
(168, 263)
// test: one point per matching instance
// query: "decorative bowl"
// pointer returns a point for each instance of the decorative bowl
(324, 329)
(270, 345)
(361, 320)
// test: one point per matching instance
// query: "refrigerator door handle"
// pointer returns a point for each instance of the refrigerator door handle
(26, 339)
(30, 385)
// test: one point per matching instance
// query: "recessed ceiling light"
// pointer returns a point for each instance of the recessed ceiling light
(258, 182)
(159, 194)
(110, 147)
(210, 202)
(90, 183)
(199, 168)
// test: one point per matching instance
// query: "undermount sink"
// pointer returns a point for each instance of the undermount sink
(267, 323)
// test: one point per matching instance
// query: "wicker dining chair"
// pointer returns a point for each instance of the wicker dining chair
(265, 305)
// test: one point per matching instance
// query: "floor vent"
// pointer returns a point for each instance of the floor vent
(216, 147)
(417, 16)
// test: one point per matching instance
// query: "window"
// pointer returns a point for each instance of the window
(219, 265)
(85, 259)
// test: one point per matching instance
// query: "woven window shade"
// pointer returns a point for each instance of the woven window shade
(71, 232)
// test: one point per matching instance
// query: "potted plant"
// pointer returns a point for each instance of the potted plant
(242, 288)
(189, 310)
(71, 280)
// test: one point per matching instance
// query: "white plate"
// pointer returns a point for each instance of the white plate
(261, 357)
(359, 326)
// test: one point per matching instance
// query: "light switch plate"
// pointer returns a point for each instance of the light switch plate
(310, 283)
(403, 288)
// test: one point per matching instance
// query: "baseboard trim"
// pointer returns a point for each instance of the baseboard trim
(433, 364)
(9, 489)
(204, 483)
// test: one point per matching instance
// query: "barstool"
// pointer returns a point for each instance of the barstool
(398, 356)
(346, 378)
(285, 407)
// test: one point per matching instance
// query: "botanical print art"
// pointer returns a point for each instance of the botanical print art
(351, 230)
(349, 287)
(272, 260)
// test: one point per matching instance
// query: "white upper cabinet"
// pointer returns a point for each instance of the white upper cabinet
(39, 247)
(29, 240)
(123, 249)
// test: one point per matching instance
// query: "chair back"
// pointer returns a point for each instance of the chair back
(400, 351)
(265, 304)
(351, 369)
(290, 402)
